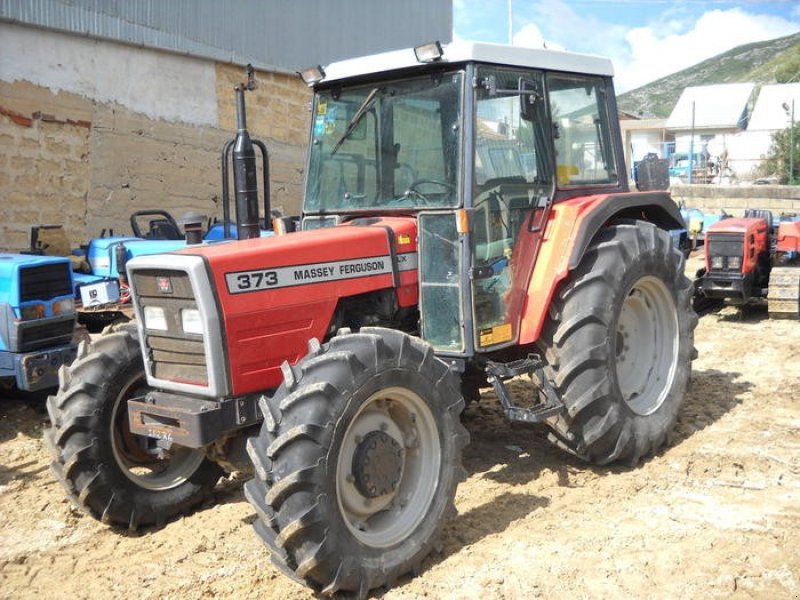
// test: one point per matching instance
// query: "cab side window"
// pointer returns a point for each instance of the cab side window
(584, 153)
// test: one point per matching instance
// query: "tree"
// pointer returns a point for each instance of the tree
(782, 156)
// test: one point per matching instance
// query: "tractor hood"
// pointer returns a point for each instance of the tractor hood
(263, 299)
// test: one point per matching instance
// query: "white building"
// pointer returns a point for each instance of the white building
(773, 112)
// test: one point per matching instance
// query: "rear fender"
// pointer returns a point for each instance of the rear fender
(571, 227)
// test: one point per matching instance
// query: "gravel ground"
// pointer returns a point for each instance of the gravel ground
(713, 515)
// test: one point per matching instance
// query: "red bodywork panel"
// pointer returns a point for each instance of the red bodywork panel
(788, 239)
(266, 326)
(277, 293)
(753, 232)
(552, 261)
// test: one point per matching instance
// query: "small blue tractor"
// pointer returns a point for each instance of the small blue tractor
(37, 320)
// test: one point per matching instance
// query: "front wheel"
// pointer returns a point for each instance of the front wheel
(357, 461)
(110, 473)
(619, 345)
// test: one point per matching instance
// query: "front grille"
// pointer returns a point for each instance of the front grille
(44, 335)
(45, 282)
(726, 245)
(172, 354)
(180, 360)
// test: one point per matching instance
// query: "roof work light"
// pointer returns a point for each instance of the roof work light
(430, 52)
(312, 75)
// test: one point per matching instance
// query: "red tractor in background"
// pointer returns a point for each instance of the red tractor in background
(466, 220)
(749, 260)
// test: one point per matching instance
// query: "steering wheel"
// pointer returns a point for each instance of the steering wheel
(413, 191)
(164, 228)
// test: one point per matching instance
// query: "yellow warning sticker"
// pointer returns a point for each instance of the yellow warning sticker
(496, 335)
(403, 239)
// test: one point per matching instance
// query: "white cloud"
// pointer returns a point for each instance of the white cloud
(656, 51)
(577, 31)
(672, 39)
(530, 36)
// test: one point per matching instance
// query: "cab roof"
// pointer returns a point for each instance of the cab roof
(461, 52)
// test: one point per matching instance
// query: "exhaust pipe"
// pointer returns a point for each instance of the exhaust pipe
(240, 151)
(245, 174)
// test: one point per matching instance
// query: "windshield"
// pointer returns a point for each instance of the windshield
(390, 146)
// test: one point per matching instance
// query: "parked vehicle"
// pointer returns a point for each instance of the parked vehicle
(37, 320)
(752, 260)
(333, 363)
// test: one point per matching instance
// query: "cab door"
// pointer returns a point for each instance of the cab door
(512, 191)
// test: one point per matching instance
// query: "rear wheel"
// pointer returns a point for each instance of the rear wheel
(357, 461)
(619, 344)
(114, 475)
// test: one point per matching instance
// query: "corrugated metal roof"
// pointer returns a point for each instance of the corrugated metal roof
(287, 34)
(722, 106)
(769, 113)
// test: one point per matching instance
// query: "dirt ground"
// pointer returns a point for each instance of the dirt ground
(716, 514)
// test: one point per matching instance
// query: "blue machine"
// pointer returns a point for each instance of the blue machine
(103, 255)
(698, 222)
(37, 319)
(103, 293)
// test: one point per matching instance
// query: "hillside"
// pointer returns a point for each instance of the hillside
(773, 61)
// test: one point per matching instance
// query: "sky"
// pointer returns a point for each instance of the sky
(646, 39)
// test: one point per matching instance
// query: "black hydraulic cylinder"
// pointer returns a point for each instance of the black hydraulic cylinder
(245, 175)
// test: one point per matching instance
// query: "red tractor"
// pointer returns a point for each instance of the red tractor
(466, 220)
(749, 260)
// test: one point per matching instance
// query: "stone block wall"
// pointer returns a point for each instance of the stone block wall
(44, 175)
(80, 152)
(735, 200)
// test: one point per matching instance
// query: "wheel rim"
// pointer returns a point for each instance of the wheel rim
(390, 419)
(149, 464)
(647, 345)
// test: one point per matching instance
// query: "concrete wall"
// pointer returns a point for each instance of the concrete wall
(92, 130)
(735, 199)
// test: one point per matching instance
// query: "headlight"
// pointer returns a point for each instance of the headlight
(154, 318)
(30, 312)
(735, 262)
(716, 262)
(60, 307)
(191, 322)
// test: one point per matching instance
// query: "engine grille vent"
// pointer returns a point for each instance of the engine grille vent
(45, 282)
(173, 354)
(45, 335)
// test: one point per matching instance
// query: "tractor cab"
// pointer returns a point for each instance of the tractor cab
(475, 146)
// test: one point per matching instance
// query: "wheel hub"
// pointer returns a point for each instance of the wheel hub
(388, 466)
(646, 343)
(377, 464)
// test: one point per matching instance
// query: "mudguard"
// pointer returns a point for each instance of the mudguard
(571, 226)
